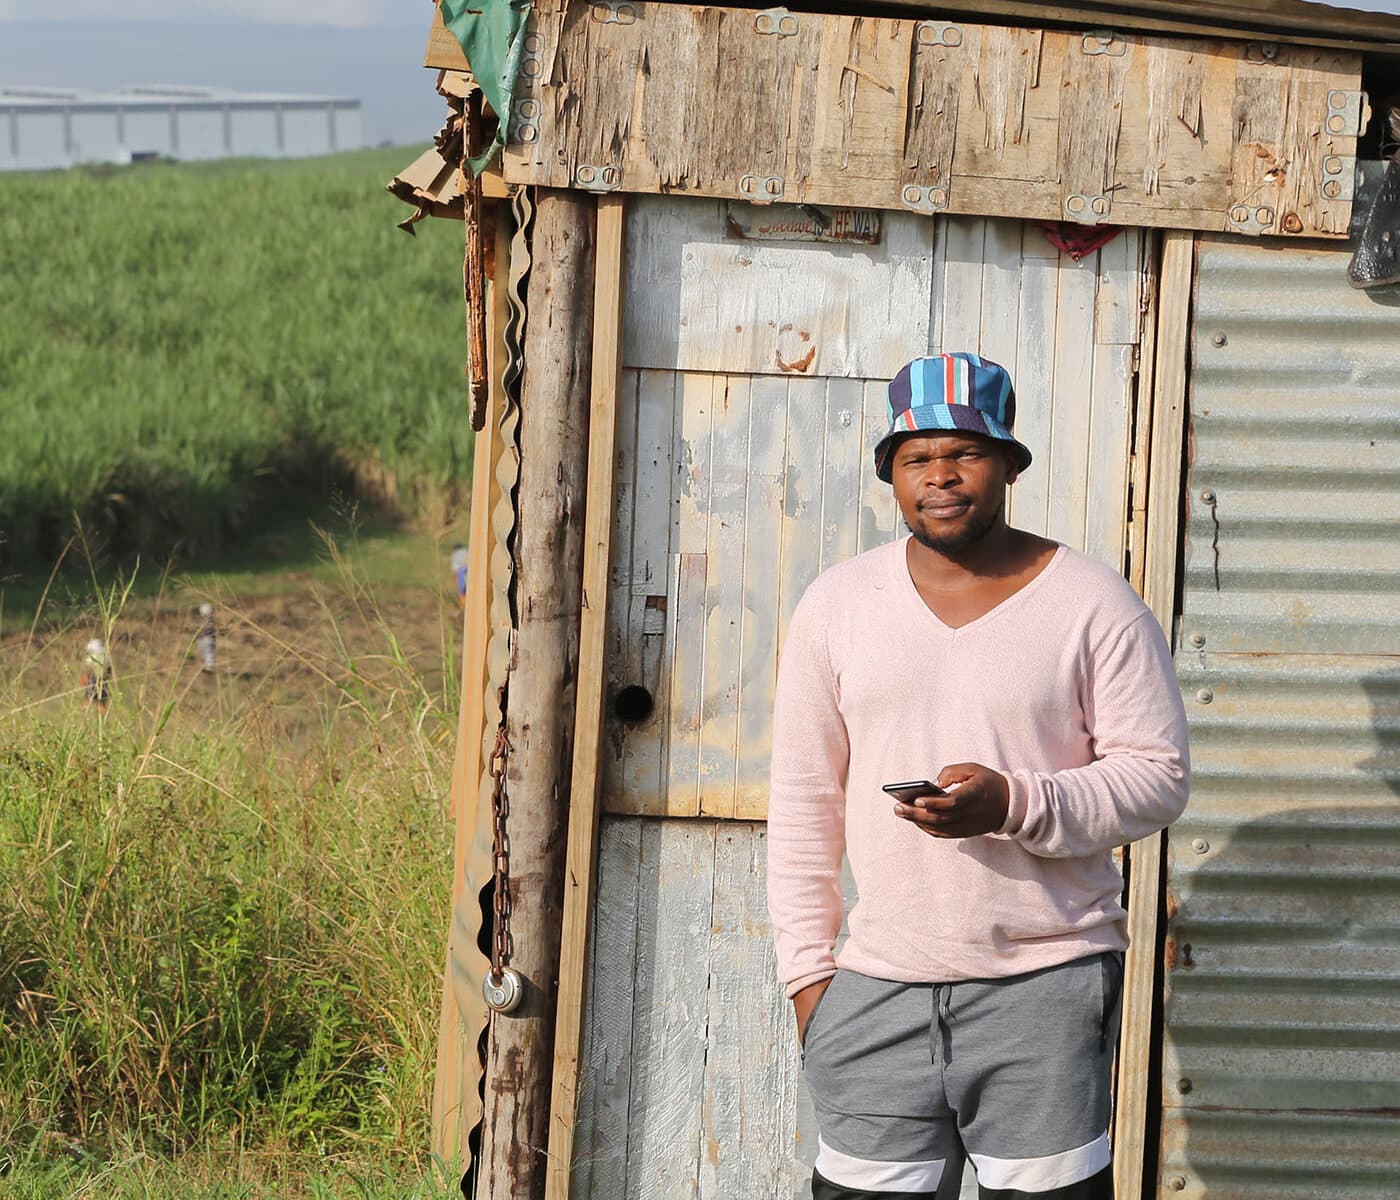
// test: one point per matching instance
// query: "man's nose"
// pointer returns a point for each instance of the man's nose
(941, 473)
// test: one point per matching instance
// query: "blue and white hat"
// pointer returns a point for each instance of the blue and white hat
(953, 393)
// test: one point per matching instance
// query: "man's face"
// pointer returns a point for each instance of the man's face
(951, 487)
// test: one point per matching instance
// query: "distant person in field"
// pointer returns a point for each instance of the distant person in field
(974, 717)
(459, 573)
(207, 639)
(97, 675)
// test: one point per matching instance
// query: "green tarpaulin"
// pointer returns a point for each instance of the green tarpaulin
(490, 32)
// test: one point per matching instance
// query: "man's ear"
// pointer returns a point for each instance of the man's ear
(1013, 468)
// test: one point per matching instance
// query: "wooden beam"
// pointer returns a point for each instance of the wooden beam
(542, 685)
(455, 1106)
(1034, 123)
(1290, 23)
(582, 859)
(1163, 533)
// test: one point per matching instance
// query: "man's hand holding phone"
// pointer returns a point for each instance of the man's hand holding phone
(966, 800)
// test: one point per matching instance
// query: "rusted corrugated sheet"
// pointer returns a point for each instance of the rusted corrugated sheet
(1281, 1066)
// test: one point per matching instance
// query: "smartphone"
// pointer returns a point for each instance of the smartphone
(912, 789)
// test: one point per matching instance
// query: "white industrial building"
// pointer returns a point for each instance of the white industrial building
(45, 128)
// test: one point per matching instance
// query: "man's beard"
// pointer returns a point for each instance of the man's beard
(977, 527)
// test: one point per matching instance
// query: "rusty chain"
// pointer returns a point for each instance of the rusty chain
(500, 858)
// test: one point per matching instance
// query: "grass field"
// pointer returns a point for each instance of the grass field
(222, 903)
(199, 350)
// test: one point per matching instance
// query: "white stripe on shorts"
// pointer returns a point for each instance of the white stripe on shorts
(1043, 1174)
(846, 1170)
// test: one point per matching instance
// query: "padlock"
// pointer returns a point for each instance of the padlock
(503, 993)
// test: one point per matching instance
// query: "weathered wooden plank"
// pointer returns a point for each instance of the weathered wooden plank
(1034, 377)
(681, 781)
(1118, 299)
(853, 110)
(1110, 403)
(1091, 121)
(1135, 1048)
(716, 302)
(1175, 79)
(999, 335)
(605, 1087)
(1067, 462)
(624, 652)
(540, 712)
(840, 480)
(752, 1068)
(960, 313)
(861, 80)
(769, 451)
(878, 511)
(691, 476)
(642, 742)
(670, 1030)
(799, 558)
(581, 854)
(723, 600)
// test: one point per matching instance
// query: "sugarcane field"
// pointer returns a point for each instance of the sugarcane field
(639, 601)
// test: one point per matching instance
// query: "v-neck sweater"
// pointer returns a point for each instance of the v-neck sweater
(1066, 687)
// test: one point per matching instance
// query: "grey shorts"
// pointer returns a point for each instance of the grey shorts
(1014, 1073)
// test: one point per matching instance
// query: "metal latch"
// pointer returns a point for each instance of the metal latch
(937, 33)
(1088, 210)
(762, 189)
(1250, 221)
(1339, 177)
(924, 199)
(777, 21)
(1104, 41)
(1347, 113)
(614, 12)
(524, 121)
(594, 177)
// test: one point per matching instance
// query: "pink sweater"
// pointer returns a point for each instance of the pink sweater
(1067, 687)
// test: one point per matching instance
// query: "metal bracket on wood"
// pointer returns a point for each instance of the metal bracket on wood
(1348, 113)
(924, 199)
(1339, 177)
(1088, 210)
(762, 189)
(1104, 41)
(1264, 52)
(596, 177)
(937, 33)
(614, 12)
(524, 121)
(1249, 220)
(531, 65)
(777, 21)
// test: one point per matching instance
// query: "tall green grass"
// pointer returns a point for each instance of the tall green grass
(189, 351)
(221, 913)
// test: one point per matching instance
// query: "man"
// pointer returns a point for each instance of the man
(1028, 695)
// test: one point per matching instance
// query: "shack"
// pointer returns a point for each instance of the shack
(706, 238)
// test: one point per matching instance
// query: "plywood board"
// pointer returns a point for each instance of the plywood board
(693, 1071)
(740, 488)
(1131, 128)
(827, 309)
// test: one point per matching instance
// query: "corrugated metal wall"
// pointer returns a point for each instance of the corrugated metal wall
(1281, 1065)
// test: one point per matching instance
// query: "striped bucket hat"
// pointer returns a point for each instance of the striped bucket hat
(955, 392)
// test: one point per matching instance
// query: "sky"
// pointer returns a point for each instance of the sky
(371, 50)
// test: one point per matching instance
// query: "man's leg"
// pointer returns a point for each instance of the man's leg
(1027, 1065)
(886, 1130)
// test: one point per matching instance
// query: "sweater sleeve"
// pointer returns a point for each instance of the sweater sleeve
(806, 806)
(1141, 773)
